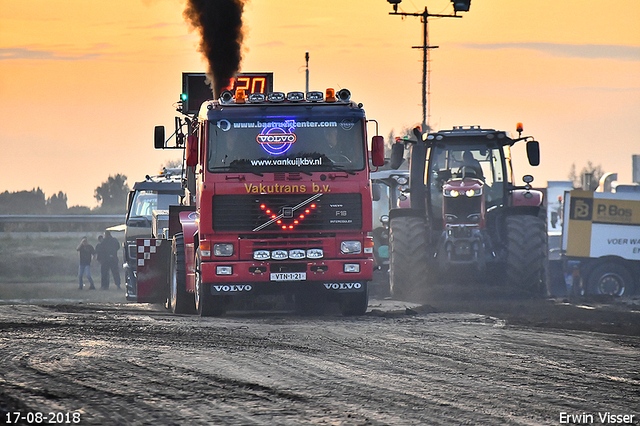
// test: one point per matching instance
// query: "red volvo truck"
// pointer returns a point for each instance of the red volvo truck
(278, 202)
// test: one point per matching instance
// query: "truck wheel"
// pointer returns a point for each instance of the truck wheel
(206, 305)
(527, 261)
(408, 257)
(353, 304)
(611, 278)
(180, 302)
(130, 285)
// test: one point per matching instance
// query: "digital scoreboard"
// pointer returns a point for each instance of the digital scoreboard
(195, 90)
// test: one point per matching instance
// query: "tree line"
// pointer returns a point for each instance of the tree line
(111, 196)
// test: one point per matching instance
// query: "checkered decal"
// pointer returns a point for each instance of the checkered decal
(146, 249)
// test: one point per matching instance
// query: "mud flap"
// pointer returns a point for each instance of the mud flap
(152, 265)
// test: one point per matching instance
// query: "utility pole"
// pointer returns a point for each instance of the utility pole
(458, 6)
(306, 58)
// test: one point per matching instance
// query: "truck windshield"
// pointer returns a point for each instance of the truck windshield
(282, 144)
(145, 202)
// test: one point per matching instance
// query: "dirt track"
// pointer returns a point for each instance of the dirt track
(401, 364)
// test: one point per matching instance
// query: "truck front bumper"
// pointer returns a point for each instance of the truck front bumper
(334, 276)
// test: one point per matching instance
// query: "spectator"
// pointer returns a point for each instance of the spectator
(86, 253)
(100, 257)
(109, 249)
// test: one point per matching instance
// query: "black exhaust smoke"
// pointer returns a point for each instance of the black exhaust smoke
(219, 23)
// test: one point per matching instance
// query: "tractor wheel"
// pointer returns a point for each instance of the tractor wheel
(527, 261)
(612, 279)
(408, 257)
(180, 302)
(206, 305)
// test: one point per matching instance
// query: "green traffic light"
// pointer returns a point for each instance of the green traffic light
(183, 97)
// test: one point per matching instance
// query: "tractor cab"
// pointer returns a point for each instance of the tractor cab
(464, 180)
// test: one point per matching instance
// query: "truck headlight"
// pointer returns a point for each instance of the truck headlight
(279, 254)
(297, 254)
(224, 270)
(350, 247)
(223, 249)
(351, 268)
(315, 253)
(261, 255)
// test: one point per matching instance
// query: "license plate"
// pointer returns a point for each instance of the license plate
(288, 276)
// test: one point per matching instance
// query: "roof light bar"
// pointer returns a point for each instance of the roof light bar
(255, 98)
(226, 97)
(330, 95)
(344, 95)
(295, 96)
(276, 97)
(315, 96)
(240, 96)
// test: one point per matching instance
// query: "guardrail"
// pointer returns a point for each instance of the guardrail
(59, 222)
(62, 218)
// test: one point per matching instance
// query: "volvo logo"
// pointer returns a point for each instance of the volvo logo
(342, 286)
(232, 288)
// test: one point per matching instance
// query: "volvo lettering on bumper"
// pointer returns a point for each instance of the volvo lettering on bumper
(232, 288)
(343, 286)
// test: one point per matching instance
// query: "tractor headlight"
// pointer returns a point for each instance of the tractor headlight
(451, 193)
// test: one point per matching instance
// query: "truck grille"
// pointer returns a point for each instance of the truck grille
(255, 213)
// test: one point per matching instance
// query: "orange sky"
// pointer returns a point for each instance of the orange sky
(83, 83)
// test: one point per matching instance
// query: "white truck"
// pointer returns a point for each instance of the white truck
(601, 241)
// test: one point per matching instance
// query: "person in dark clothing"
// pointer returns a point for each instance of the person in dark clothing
(473, 166)
(86, 253)
(109, 250)
(100, 257)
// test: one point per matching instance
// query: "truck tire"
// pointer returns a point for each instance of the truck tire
(611, 278)
(527, 261)
(206, 304)
(180, 302)
(355, 304)
(408, 257)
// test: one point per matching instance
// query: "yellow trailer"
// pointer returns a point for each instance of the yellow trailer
(601, 232)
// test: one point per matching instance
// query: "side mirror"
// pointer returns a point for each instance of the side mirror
(129, 201)
(397, 155)
(158, 137)
(533, 153)
(192, 150)
(377, 151)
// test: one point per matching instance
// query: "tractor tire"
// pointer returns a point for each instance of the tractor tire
(206, 305)
(180, 302)
(408, 257)
(611, 279)
(527, 264)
